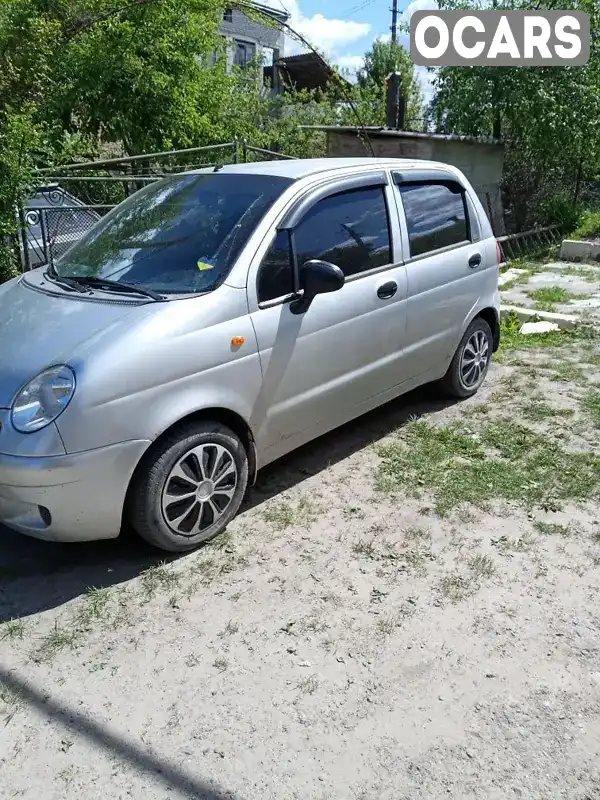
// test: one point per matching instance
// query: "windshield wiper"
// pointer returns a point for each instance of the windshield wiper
(67, 283)
(114, 286)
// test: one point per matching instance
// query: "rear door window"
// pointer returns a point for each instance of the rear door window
(436, 216)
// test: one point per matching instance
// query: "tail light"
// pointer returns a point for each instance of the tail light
(499, 253)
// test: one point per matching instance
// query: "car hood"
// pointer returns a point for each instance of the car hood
(40, 328)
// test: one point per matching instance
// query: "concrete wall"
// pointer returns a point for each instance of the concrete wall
(481, 162)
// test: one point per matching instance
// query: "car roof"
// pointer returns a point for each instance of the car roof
(303, 167)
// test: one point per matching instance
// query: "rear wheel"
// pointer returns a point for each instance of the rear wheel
(189, 487)
(471, 361)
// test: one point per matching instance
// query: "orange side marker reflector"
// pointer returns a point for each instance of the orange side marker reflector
(237, 341)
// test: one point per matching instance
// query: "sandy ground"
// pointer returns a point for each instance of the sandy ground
(337, 642)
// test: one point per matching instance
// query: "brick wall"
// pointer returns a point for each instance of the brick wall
(247, 30)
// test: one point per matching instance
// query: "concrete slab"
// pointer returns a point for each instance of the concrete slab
(565, 321)
(570, 282)
(510, 275)
(576, 266)
(539, 327)
(581, 281)
(576, 250)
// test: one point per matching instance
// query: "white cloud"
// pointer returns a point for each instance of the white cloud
(353, 63)
(330, 34)
(327, 35)
(419, 5)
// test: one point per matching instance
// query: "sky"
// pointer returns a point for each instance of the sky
(348, 27)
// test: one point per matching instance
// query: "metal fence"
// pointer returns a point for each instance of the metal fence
(529, 243)
(70, 198)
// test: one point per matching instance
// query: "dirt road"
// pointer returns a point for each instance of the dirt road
(407, 608)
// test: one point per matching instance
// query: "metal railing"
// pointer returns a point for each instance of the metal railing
(529, 243)
(70, 198)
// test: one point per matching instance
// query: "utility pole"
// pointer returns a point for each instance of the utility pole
(395, 101)
(394, 27)
(496, 117)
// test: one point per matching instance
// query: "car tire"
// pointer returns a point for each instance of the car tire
(189, 487)
(471, 361)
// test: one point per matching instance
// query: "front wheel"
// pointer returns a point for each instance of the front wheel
(189, 487)
(471, 361)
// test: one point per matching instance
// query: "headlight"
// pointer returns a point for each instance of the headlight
(43, 399)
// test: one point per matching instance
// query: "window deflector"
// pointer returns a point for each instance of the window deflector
(367, 180)
(437, 177)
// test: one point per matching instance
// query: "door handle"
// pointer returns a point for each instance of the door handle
(387, 290)
(475, 261)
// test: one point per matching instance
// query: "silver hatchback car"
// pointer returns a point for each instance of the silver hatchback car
(218, 319)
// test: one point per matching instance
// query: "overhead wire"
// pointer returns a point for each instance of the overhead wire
(340, 81)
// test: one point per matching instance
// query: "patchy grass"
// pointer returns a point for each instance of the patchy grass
(386, 625)
(13, 629)
(538, 410)
(285, 514)
(512, 339)
(551, 528)
(353, 512)
(591, 403)
(413, 553)
(220, 664)
(230, 629)
(506, 461)
(54, 642)
(457, 586)
(96, 606)
(586, 274)
(309, 685)
(11, 701)
(482, 566)
(507, 545)
(161, 577)
(365, 548)
(546, 297)
(589, 226)
(567, 371)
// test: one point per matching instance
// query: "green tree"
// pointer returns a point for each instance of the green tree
(547, 117)
(381, 59)
(75, 74)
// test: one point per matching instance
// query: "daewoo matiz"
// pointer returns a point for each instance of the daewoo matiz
(216, 320)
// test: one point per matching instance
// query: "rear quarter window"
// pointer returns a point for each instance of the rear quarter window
(436, 216)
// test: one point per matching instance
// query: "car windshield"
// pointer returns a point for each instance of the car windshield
(180, 235)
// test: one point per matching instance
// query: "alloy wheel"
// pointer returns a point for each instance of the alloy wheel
(474, 359)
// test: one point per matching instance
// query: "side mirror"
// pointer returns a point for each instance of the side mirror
(317, 277)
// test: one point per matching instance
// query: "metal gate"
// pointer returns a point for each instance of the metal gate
(71, 198)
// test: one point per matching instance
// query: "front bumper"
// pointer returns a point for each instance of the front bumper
(69, 498)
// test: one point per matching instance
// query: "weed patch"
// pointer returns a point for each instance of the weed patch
(13, 629)
(538, 411)
(506, 461)
(284, 515)
(551, 528)
(512, 339)
(591, 403)
(546, 297)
